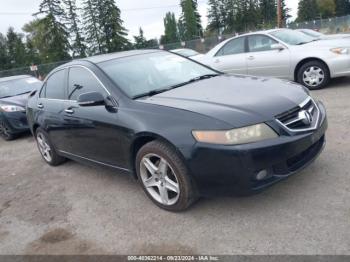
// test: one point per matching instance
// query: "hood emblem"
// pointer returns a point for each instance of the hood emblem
(305, 117)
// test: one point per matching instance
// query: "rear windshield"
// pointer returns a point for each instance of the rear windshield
(18, 86)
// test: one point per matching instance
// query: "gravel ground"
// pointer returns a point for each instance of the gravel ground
(75, 209)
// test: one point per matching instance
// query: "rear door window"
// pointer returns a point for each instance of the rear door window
(233, 47)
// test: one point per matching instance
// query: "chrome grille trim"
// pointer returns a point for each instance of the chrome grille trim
(302, 106)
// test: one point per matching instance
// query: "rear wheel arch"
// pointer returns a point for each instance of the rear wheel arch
(306, 60)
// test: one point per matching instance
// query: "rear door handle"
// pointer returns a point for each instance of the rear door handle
(69, 111)
(40, 105)
(251, 57)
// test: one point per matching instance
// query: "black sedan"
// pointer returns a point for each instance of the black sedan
(182, 129)
(14, 92)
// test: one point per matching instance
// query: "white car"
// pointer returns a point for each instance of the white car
(282, 53)
(321, 36)
(186, 52)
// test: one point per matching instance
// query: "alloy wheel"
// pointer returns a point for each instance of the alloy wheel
(159, 179)
(313, 76)
(44, 147)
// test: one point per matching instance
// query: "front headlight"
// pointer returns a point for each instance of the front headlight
(341, 50)
(10, 108)
(236, 136)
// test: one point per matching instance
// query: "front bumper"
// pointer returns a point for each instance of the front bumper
(232, 170)
(339, 66)
(16, 121)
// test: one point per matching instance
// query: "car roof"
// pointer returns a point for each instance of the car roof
(262, 32)
(12, 78)
(181, 49)
(105, 57)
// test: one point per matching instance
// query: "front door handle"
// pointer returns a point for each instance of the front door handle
(40, 105)
(251, 57)
(69, 111)
(217, 61)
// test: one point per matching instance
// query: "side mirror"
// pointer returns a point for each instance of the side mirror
(91, 99)
(277, 46)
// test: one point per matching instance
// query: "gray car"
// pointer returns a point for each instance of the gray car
(282, 53)
(321, 36)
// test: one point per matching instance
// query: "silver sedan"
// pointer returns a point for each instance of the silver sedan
(282, 53)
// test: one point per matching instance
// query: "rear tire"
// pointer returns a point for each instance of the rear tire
(313, 75)
(164, 177)
(46, 148)
(5, 132)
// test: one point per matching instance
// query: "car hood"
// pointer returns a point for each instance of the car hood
(335, 36)
(236, 100)
(326, 43)
(20, 100)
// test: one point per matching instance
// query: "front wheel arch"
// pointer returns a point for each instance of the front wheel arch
(306, 60)
(141, 140)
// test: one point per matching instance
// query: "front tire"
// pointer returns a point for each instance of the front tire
(313, 75)
(46, 148)
(164, 177)
(5, 132)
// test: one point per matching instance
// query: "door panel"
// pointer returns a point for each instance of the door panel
(262, 60)
(232, 58)
(91, 132)
(51, 104)
(232, 64)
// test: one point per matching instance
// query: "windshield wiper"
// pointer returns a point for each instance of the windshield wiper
(195, 79)
(23, 93)
(151, 93)
(156, 92)
(303, 43)
(198, 78)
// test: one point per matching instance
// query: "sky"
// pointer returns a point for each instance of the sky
(135, 13)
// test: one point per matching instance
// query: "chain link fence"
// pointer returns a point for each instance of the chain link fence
(42, 71)
(203, 45)
(332, 25)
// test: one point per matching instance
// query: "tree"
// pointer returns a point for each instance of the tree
(216, 16)
(141, 41)
(170, 29)
(4, 59)
(268, 11)
(91, 27)
(285, 12)
(326, 8)
(111, 25)
(342, 7)
(307, 10)
(78, 46)
(15, 48)
(57, 33)
(37, 41)
(191, 19)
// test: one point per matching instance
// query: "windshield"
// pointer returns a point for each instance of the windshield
(311, 33)
(186, 52)
(292, 37)
(142, 74)
(18, 86)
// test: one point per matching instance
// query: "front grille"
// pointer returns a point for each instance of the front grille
(298, 161)
(301, 118)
